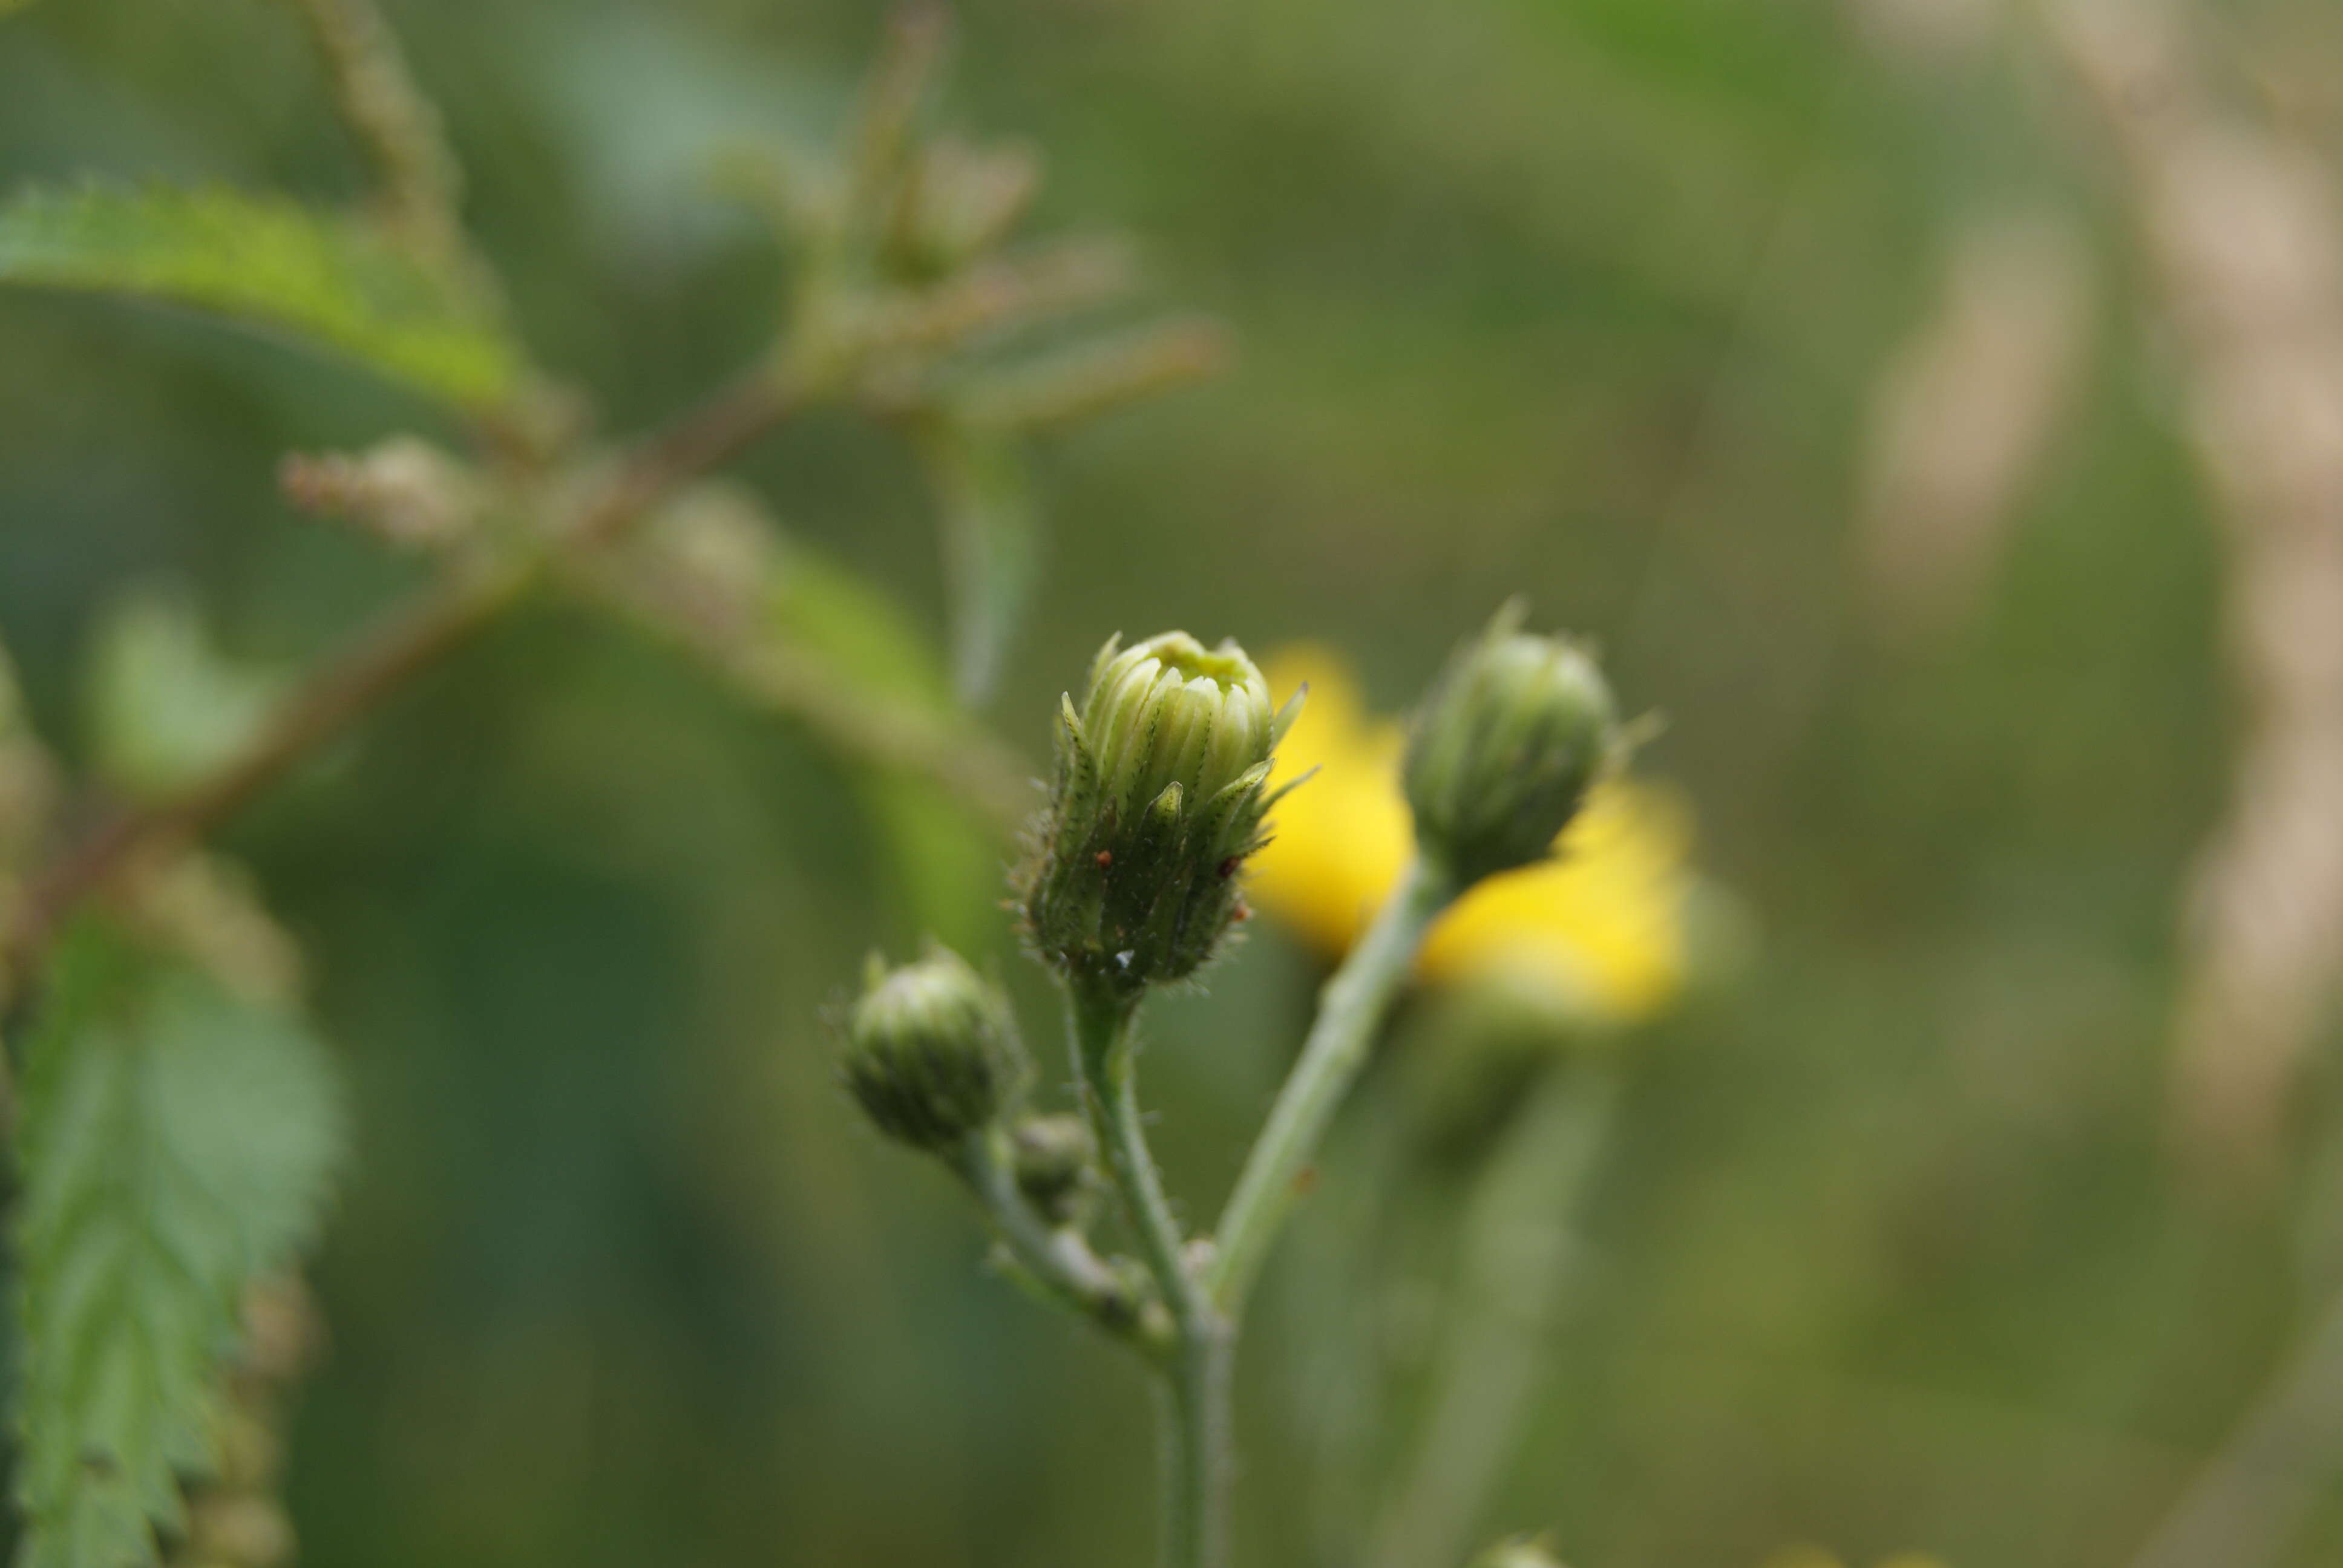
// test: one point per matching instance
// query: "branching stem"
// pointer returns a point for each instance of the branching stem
(1058, 1259)
(352, 683)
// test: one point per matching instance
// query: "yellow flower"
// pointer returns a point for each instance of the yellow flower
(1602, 924)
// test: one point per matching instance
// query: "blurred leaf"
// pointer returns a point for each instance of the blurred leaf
(828, 610)
(165, 708)
(948, 868)
(267, 262)
(175, 1146)
(1092, 376)
(27, 783)
(990, 542)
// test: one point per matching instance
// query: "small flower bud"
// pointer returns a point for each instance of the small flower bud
(1162, 791)
(1056, 1166)
(1506, 747)
(1521, 1551)
(931, 1053)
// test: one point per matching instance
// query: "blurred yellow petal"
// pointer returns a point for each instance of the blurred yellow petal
(1340, 841)
(1603, 921)
(1602, 926)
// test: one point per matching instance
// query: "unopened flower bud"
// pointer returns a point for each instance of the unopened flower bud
(1162, 790)
(1521, 1551)
(931, 1053)
(1056, 1166)
(1506, 747)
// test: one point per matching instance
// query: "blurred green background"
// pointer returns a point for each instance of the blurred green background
(1587, 299)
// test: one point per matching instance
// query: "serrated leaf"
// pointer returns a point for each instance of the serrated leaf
(267, 262)
(991, 544)
(175, 1146)
(165, 706)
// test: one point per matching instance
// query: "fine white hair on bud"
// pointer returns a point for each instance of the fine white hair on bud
(932, 1053)
(1506, 747)
(1161, 792)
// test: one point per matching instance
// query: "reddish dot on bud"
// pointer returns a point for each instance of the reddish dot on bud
(1105, 857)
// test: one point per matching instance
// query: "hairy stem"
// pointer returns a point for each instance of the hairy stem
(1058, 1259)
(1196, 1399)
(1195, 1443)
(378, 95)
(1349, 1010)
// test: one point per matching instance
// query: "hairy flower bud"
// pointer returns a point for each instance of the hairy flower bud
(1162, 790)
(1506, 747)
(1057, 1166)
(931, 1053)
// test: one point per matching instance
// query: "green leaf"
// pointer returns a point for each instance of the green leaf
(175, 1146)
(823, 607)
(267, 262)
(947, 865)
(165, 708)
(990, 544)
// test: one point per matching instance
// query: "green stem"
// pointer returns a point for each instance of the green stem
(1349, 1010)
(1196, 1446)
(1196, 1399)
(1513, 1272)
(1057, 1259)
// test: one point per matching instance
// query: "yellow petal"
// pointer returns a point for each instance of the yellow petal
(1602, 926)
(1340, 840)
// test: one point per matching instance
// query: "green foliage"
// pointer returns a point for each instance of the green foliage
(267, 262)
(177, 1143)
(948, 868)
(165, 708)
(991, 547)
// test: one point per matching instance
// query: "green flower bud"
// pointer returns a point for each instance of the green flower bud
(1162, 791)
(1506, 747)
(1057, 1167)
(931, 1051)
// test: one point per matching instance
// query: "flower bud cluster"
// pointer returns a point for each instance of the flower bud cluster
(1161, 792)
(1505, 749)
